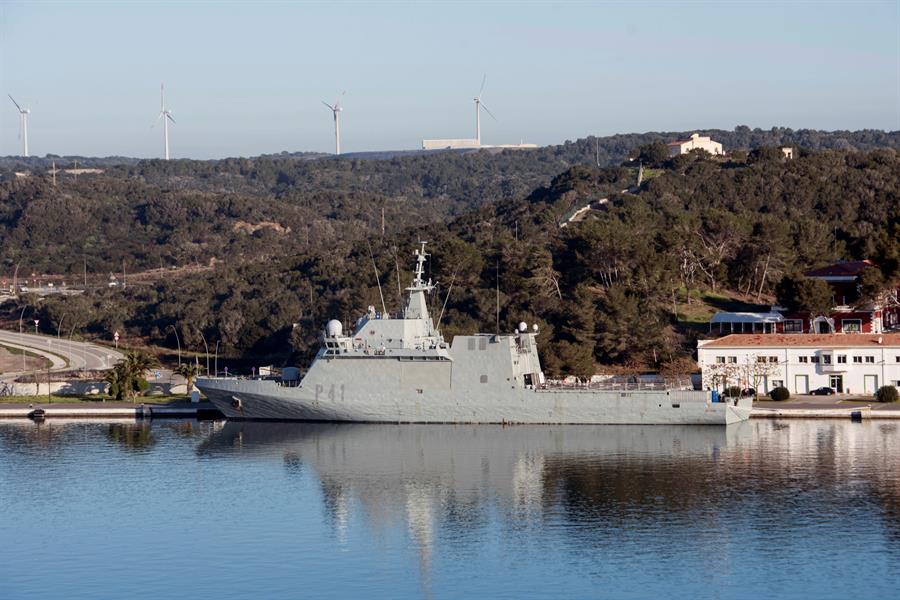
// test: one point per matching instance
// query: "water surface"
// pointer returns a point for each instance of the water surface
(793, 509)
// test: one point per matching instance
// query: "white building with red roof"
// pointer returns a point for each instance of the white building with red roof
(695, 142)
(856, 363)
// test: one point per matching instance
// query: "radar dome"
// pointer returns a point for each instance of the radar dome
(523, 327)
(333, 328)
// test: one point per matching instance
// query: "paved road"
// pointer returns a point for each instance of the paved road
(80, 355)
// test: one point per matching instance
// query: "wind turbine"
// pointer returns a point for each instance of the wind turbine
(336, 108)
(166, 116)
(23, 125)
(478, 106)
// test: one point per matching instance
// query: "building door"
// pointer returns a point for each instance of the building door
(837, 382)
(870, 384)
(801, 384)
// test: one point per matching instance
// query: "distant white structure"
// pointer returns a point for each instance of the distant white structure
(463, 143)
(166, 116)
(336, 108)
(444, 144)
(696, 141)
(787, 152)
(23, 125)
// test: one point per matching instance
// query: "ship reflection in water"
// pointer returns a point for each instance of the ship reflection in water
(763, 509)
(701, 508)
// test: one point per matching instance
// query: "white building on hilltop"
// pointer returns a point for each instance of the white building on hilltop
(857, 363)
(695, 142)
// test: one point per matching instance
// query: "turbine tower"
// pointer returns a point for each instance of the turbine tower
(336, 108)
(166, 116)
(23, 125)
(478, 106)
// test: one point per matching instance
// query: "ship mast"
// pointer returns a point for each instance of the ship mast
(417, 308)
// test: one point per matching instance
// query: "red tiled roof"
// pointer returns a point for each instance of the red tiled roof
(804, 340)
(841, 269)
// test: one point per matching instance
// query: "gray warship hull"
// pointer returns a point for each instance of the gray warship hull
(400, 370)
(268, 400)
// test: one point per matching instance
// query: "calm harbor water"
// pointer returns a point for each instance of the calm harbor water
(799, 509)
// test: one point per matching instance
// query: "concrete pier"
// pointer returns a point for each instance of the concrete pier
(109, 410)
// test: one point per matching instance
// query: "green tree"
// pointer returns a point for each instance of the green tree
(127, 377)
(804, 294)
(653, 154)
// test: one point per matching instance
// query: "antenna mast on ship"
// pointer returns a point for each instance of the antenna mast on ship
(418, 282)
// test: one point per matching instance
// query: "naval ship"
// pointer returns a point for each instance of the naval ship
(400, 370)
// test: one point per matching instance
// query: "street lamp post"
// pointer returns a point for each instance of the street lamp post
(207, 349)
(216, 363)
(177, 341)
(59, 326)
(22, 314)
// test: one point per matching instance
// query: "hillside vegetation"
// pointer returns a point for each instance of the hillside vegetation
(293, 245)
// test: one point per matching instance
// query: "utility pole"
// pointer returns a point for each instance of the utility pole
(498, 296)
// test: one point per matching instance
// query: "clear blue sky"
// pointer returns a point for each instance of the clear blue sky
(244, 79)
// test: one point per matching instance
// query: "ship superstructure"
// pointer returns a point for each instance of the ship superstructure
(400, 370)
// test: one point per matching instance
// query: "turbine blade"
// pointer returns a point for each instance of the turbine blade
(483, 81)
(487, 111)
(170, 117)
(156, 122)
(328, 105)
(14, 102)
(162, 102)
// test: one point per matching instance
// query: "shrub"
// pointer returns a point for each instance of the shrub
(780, 394)
(733, 392)
(887, 393)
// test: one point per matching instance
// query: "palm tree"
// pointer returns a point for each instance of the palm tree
(189, 371)
(130, 371)
(113, 378)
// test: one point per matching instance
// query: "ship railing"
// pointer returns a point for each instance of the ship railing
(619, 385)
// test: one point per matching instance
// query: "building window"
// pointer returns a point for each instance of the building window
(870, 359)
(803, 359)
(760, 359)
(732, 359)
(793, 326)
(773, 359)
(857, 359)
(842, 358)
(777, 383)
(814, 359)
(826, 359)
(851, 325)
(720, 360)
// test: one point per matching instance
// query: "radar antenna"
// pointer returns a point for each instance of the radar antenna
(418, 282)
